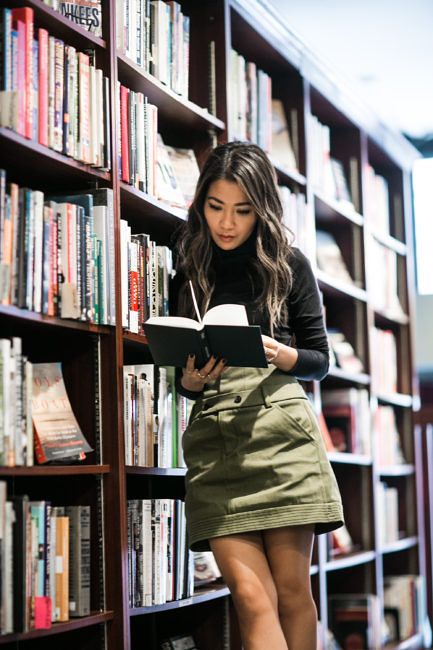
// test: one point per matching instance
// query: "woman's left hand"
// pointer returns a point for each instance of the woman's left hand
(282, 356)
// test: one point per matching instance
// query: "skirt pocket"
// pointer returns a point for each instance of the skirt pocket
(298, 414)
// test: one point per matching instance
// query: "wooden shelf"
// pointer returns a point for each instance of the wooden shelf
(395, 399)
(32, 317)
(333, 286)
(54, 470)
(400, 545)
(41, 165)
(155, 471)
(288, 176)
(327, 209)
(201, 596)
(172, 108)
(351, 560)
(396, 470)
(390, 242)
(60, 26)
(390, 319)
(349, 459)
(135, 338)
(413, 643)
(146, 213)
(351, 377)
(95, 618)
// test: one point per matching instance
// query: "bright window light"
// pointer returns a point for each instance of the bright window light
(423, 216)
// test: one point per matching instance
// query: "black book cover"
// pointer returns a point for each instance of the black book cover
(240, 345)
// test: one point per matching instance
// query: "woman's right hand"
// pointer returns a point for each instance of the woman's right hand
(195, 379)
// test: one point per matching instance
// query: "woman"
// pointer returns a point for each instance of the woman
(259, 484)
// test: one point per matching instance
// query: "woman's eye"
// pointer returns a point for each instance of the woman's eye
(244, 211)
(214, 207)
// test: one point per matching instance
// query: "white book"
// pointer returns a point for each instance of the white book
(6, 413)
(7, 577)
(100, 228)
(28, 393)
(146, 511)
(38, 202)
(125, 238)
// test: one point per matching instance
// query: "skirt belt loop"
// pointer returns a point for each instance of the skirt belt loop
(266, 397)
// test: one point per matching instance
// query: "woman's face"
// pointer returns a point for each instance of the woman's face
(229, 214)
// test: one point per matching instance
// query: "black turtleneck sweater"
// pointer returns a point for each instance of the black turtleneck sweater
(233, 274)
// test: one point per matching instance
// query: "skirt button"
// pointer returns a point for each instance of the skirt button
(237, 399)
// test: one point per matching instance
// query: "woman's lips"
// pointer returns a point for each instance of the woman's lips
(226, 237)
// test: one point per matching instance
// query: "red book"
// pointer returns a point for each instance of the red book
(43, 86)
(19, 65)
(25, 15)
(124, 97)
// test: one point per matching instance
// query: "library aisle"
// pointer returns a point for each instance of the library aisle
(107, 112)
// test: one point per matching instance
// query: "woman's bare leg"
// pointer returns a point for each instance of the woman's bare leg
(288, 551)
(245, 569)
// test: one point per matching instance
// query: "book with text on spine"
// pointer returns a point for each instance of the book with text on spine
(223, 332)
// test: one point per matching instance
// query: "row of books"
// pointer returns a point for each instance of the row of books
(155, 417)
(167, 173)
(57, 252)
(330, 258)
(160, 565)
(356, 619)
(383, 360)
(349, 425)
(383, 286)
(388, 519)
(376, 203)
(405, 606)
(37, 423)
(45, 562)
(250, 106)
(329, 176)
(155, 35)
(348, 419)
(145, 272)
(388, 444)
(86, 13)
(52, 94)
(295, 218)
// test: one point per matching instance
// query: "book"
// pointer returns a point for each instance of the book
(224, 333)
(186, 170)
(205, 568)
(330, 258)
(86, 13)
(282, 150)
(179, 643)
(57, 433)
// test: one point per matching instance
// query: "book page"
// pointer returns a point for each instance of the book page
(174, 321)
(226, 315)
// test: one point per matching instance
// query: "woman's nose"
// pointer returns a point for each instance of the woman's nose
(227, 219)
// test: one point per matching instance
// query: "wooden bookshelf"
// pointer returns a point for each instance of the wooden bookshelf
(106, 482)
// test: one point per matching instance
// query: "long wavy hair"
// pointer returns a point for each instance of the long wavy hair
(248, 166)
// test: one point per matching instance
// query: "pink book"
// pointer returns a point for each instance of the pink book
(24, 15)
(43, 86)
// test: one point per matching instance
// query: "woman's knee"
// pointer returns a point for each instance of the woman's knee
(250, 599)
(294, 596)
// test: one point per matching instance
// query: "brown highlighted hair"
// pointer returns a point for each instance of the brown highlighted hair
(248, 166)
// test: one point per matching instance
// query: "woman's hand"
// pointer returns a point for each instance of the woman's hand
(194, 379)
(282, 356)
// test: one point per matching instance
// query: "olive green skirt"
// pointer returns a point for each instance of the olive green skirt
(256, 459)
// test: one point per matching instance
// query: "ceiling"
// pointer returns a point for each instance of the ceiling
(384, 48)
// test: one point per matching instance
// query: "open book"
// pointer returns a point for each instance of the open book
(223, 332)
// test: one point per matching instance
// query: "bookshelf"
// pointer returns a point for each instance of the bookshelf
(88, 350)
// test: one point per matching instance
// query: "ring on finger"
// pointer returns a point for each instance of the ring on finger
(200, 375)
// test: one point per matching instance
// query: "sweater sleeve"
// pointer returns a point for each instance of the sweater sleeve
(306, 322)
